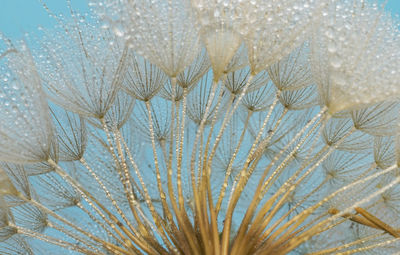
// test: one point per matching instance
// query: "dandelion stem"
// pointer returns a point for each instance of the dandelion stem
(158, 176)
(58, 242)
(86, 195)
(229, 168)
(307, 234)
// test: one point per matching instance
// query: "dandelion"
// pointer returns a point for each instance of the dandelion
(24, 110)
(82, 69)
(166, 25)
(352, 72)
(203, 127)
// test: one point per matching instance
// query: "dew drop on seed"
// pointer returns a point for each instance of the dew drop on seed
(336, 61)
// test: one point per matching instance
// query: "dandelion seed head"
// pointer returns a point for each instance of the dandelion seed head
(202, 127)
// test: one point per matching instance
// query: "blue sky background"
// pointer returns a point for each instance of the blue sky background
(20, 16)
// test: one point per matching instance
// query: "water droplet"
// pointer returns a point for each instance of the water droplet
(336, 61)
(118, 32)
(330, 32)
(332, 46)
